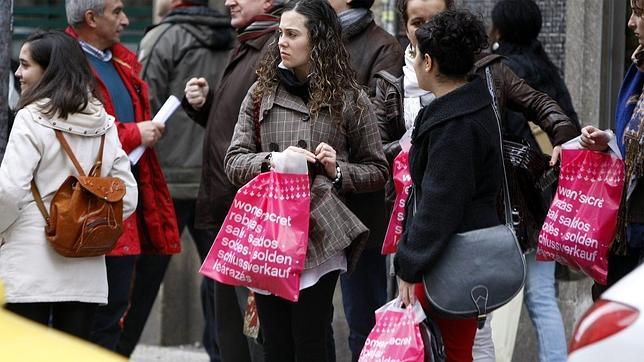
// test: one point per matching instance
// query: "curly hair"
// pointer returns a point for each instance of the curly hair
(331, 75)
(401, 6)
(453, 38)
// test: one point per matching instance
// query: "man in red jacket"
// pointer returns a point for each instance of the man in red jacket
(153, 228)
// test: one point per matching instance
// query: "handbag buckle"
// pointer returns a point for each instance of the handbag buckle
(480, 321)
(479, 296)
(516, 217)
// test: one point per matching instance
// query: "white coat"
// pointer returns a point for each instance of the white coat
(29, 267)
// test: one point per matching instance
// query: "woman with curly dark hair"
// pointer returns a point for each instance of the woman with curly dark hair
(308, 102)
(455, 161)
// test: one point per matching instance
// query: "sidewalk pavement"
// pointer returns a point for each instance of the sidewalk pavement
(189, 353)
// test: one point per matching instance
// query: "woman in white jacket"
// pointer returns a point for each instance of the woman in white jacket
(57, 86)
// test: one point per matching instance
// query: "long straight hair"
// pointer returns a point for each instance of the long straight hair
(67, 81)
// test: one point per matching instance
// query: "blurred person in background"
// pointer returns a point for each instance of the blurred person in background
(192, 40)
(97, 26)
(516, 25)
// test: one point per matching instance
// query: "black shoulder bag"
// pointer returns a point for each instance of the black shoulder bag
(479, 270)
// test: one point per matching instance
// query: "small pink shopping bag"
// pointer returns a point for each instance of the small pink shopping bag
(263, 240)
(396, 336)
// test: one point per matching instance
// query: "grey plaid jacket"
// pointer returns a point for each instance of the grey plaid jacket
(284, 121)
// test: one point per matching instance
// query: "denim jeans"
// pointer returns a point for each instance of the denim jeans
(364, 291)
(541, 302)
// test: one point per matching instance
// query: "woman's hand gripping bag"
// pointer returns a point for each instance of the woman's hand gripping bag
(402, 183)
(396, 336)
(582, 220)
(262, 242)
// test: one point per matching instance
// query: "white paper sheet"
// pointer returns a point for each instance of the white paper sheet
(168, 108)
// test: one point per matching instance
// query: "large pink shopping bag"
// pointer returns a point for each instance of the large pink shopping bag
(262, 242)
(396, 336)
(402, 183)
(582, 219)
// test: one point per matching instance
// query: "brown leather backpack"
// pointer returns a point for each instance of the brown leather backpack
(86, 213)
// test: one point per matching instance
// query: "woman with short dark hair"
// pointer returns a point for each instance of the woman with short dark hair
(454, 161)
(57, 87)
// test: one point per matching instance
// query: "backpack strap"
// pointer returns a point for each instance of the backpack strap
(96, 169)
(38, 199)
(69, 152)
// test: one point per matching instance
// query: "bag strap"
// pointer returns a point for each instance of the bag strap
(99, 158)
(497, 114)
(38, 199)
(69, 152)
(96, 170)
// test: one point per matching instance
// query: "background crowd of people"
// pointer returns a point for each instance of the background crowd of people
(315, 77)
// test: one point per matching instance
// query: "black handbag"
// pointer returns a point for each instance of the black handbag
(530, 180)
(479, 270)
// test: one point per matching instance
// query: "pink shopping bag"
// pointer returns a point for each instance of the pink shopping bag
(262, 242)
(582, 219)
(402, 183)
(396, 336)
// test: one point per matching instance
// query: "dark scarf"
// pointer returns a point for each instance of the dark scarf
(292, 85)
(356, 26)
(261, 24)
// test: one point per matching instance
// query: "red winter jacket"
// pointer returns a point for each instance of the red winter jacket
(155, 203)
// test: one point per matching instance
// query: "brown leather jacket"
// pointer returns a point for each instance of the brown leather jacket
(512, 92)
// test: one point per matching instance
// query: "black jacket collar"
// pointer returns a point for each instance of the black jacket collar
(467, 99)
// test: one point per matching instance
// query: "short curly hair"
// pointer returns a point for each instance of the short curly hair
(453, 39)
(401, 6)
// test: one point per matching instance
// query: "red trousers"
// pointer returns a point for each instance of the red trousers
(458, 334)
